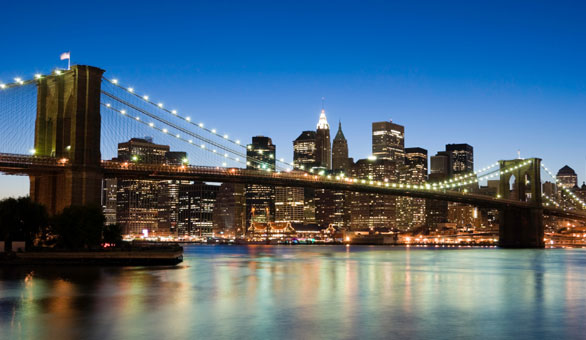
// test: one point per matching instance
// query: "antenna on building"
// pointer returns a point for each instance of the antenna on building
(518, 154)
(322, 102)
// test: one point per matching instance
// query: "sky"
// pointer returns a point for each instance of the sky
(501, 76)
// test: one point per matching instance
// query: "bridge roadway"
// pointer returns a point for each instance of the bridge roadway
(33, 165)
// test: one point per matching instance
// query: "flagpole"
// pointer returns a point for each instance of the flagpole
(69, 62)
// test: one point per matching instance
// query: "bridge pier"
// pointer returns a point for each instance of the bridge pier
(68, 126)
(521, 228)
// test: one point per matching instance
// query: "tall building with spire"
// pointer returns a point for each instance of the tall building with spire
(340, 161)
(323, 145)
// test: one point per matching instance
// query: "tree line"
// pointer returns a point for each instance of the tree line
(75, 228)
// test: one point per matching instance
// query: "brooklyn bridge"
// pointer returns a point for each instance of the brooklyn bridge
(79, 114)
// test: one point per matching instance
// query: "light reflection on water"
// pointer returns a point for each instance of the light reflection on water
(305, 292)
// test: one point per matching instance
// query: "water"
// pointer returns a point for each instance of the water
(306, 292)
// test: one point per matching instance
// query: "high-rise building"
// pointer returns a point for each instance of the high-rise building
(416, 165)
(461, 158)
(411, 210)
(323, 145)
(440, 164)
(260, 199)
(144, 204)
(229, 211)
(440, 169)
(340, 160)
(196, 208)
(388, 141)
(567, 177)
(304, 150)
(289, 204)
(109, 199)
(373, 210)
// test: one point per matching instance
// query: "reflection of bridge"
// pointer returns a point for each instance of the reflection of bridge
(67, 167)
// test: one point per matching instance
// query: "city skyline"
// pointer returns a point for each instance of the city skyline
(497, 86)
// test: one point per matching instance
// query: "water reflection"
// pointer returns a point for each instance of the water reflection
(305, 292)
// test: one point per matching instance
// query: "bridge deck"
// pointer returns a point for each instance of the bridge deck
(26, 165)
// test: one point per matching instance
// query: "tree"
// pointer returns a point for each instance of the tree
(21, 219)
(79, 227)
(112, 234)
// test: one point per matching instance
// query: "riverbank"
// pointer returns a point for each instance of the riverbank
(134, 256)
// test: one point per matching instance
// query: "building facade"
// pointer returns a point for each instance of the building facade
(388, 141)
(260, 199)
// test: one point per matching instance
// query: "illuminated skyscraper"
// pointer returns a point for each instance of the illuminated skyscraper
(411, 210)
(322, 142)
(567, 177)
(304, 150)
(461, 158)
(260, 199)
(388, 141)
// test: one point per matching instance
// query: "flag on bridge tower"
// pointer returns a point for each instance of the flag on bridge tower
(66, 55)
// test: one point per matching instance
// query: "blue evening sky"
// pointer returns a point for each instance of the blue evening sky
(499, 75)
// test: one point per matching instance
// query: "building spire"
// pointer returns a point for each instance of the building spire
(322, 124)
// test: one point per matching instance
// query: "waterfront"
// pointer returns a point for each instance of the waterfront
(306, 292)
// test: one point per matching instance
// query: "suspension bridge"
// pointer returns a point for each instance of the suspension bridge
(62, 130)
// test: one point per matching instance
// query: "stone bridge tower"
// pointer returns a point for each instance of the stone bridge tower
(68, 126)
(521, 227)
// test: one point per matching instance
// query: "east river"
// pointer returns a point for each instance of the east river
(306, 292)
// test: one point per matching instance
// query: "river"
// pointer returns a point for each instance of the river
(306, 292)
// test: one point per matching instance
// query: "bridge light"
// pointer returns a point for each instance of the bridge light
(200, 125)
(145, 97)
(237, 159)
(226, 136)
(185, 160)
(164, 130)
(175, 112)
(108, 105)
(224, 164)
(68, 147)
(114, 81)
(213, 130)
(214, 151)
(135, 158)
(151, 124)
(160, 105)
(3, 86)
(137, 118)
(225, 155)
(203, 146)
(123, 111)
(130, 89)
(188, 119)
(18, 80)
(38, 76)
(237, 141)
(32, 151)
(190, 141)
(177, 135)
(58, 72)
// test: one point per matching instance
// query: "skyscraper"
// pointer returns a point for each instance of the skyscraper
(145, 204)
(461, 158)
(260, 199)
(304, 150)
(388, 141)
(411, 210)
(373, 210)
(567, 177)
(322, 142)
(340, 161)
(229, 210)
